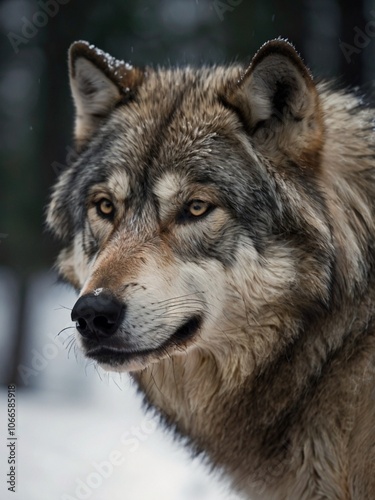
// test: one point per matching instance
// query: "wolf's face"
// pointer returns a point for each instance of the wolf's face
(182, 217)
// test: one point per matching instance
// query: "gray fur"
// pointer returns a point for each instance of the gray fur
(275, 383)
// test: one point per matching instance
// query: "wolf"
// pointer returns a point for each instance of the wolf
(219, 226)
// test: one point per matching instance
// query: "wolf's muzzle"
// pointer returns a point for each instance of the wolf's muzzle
(97, 315)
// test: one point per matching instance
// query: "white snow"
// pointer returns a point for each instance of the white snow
(111, 61)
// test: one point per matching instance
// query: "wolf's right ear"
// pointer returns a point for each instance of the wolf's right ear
(98, 83)
(279, 103)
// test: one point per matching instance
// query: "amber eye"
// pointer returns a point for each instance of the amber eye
(105, 207)
(197, 208)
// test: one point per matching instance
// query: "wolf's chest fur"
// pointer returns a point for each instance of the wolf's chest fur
(219, 225)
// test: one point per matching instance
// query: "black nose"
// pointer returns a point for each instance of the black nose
(97, 315)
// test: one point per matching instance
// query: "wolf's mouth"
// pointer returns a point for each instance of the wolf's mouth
(115, 356)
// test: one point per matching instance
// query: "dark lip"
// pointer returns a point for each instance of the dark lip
(116, 356)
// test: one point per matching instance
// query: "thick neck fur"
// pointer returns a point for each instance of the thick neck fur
(286, 424)
(294, 419)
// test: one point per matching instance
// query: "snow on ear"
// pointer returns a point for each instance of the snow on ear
(278, 100)
(98, 83)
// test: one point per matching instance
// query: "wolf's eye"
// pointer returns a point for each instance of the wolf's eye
(194, 210)
(105, 207)
(197, 208)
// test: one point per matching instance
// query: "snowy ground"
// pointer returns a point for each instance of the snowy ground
(84, 435)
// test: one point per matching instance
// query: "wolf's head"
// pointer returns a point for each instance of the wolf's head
(192, 218)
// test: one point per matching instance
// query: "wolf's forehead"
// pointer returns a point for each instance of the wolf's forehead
(173, 125)
(168, 186)
(173, 112)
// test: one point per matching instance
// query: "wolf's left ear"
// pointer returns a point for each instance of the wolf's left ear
(98, 83)
(278, 100)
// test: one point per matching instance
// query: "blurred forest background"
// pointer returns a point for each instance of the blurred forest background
(335, 38)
